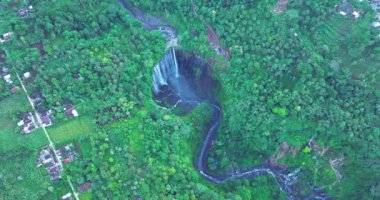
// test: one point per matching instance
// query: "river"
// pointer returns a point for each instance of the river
(175, 85)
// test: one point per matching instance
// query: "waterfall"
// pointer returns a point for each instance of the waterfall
(175, 63)
(165, 70)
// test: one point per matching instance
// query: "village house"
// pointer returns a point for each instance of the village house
(28, 123)
(67, 154)
(24, 12)
(46, 158)
(84, 187)
(70, 110)
(6, 37)
(46, 117)
(26, 75)
(37, 98)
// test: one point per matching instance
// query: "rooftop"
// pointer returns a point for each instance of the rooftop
(24, 12)
(27, 122)
(84, 187)
(37, 98)
(70, 110)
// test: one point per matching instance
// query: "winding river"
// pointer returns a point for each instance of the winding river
(181, 81)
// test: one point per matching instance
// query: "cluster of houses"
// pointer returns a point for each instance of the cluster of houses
(42, 118)
(67, 154)
(7, 76)
(48, 158)
(51, 160)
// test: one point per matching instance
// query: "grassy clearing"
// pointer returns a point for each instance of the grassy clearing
(10, 137)
(71, 130)
(85, 196)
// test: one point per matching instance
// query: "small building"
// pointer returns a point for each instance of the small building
(70, 110)
(37, 98)
(77, 75)
(67, 196)
(27, 75)
(84, 187)
(46, 117)
(6, 37)
(28, 123)
(24, 12)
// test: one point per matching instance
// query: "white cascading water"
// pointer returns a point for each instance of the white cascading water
(166, 69)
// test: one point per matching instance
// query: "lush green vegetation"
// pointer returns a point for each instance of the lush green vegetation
(306, 73)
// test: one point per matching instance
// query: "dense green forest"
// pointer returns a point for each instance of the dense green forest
(301, 91)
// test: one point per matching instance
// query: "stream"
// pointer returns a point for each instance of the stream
(182, 81)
